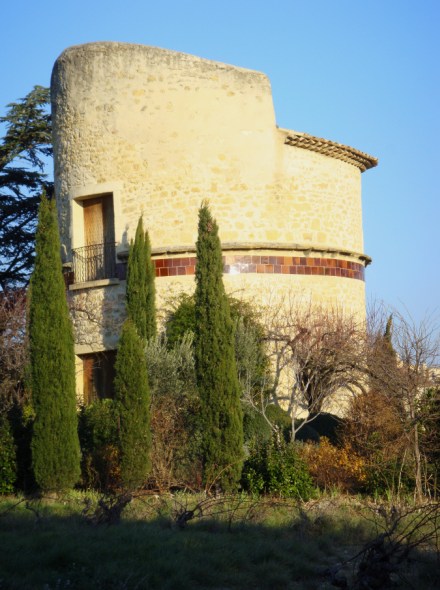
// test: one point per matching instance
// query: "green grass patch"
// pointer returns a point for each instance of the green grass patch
(238, 543)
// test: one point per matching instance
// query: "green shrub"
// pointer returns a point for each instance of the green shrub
(251, 356)
(275, 468)
(21, 420)
(388, 477)
(281, 419)
(98, 434)
(181, 319)
(256, 429)
(8, 465)
(98, 425)
(175, 414)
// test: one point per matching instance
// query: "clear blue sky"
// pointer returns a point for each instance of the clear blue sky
(361, 73)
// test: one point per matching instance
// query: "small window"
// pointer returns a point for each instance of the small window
(98, 375)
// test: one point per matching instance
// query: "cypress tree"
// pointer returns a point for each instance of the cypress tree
(55, 445)
(140, 284)
(216, 373)
(132, 396)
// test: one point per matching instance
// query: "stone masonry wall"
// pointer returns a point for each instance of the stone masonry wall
(162, 131)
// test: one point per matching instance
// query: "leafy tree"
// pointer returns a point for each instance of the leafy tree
(23, 149)
(55, 445)
(132, 396)
(216, 372)
(140, 284)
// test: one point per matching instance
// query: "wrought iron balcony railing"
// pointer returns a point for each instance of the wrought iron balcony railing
(95, 262)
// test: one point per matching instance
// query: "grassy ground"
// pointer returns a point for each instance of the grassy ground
(270, 544)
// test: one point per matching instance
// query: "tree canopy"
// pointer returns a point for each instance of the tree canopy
(24, 149)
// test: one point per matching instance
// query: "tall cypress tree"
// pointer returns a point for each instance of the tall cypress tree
(55, 445)
(217, 380)
(132, 396)
(140, 284)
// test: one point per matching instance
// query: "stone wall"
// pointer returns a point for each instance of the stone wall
(162, 131)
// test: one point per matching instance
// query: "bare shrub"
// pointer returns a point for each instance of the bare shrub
(316, 358)
(391, 423)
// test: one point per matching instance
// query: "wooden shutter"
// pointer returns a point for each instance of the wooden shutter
(98, 375)
(93, 221)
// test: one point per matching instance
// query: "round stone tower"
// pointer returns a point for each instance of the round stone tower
(145, 131)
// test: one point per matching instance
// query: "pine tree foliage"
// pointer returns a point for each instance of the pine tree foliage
(55, 445)
(132, 396)
(24, 147)
(140, 284)
(216, 372)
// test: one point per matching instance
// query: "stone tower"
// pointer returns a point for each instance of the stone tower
(141, 130)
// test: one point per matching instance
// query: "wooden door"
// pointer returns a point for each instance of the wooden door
(99, 237)
(94, 221)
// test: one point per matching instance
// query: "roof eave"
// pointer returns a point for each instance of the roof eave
(329, 148)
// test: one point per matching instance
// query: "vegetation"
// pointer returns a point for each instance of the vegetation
(140, 284)
(23, 149)
(175, 411)
(251, 356)
(393, 423)
(214, 405)
(317, 355)
(335, 468)
(132, 397)
(276, 468)
(8, 465)
(231, 542)
(13, 348)
(216, 371)
(98, 434)
(181, 319)
(55, 445)
(132, 393)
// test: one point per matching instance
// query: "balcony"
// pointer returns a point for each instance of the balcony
(94, 262)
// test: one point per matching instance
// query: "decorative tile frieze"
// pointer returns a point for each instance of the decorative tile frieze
(266, 264)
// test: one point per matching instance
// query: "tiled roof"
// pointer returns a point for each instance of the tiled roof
(331, 148)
